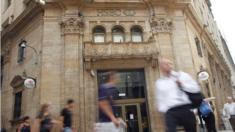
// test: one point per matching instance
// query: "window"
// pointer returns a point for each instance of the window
(118, 34)
(131, 84)
(136, 34)
(198, 45)
(21, 53)
(17, 105)
(99, 34)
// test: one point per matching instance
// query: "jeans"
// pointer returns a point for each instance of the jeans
(68, 129)
(210, 122)
(180, 116)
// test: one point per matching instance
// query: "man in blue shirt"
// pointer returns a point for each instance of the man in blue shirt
(106, 93)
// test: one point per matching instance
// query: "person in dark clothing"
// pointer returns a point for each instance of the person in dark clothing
(25, 125)
(66, 115)
(206, 113)
(45, 119)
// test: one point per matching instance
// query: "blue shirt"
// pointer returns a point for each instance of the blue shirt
(106, 92)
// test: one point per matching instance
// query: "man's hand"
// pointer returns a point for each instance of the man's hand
(179, 83)
(116, 122)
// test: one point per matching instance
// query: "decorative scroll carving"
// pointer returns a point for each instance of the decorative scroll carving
(160, 25)
(72, 25)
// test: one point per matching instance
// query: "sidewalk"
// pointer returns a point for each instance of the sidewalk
(225, 131)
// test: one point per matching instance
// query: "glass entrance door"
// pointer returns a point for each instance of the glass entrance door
(130, 101)
(134, 115)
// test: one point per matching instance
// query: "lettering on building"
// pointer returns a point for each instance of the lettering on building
(115, 12)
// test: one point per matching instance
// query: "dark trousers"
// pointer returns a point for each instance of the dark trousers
(180, 116)
(210, 122)
(232, 122)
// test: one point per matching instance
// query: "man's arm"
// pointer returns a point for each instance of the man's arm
(106, 108)
(209, 99)
(188, 83)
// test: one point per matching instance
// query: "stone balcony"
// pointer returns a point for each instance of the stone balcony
(119, 50)
(95, 52)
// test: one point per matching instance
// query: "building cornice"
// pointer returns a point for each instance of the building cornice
(32, 10)
(195, 20)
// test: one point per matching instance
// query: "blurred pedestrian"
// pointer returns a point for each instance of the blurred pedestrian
(45, 119)
(172, 99)
(107, 120)
(67, 116)
(25, 125)
(229, 111)
(205, 112)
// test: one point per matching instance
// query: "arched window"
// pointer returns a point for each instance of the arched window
(136, 34)
(118, 34)
(99, 34)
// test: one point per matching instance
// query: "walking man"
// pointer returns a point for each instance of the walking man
(229, 111)
(67, 115)
(107, 120)
(174, 102)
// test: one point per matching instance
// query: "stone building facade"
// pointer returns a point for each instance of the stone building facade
(71, 44)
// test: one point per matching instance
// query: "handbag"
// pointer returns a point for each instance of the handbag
(195, 98)
(205, 109)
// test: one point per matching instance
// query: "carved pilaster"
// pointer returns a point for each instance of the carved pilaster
(161, 25)
(6, 54)
(72, 25)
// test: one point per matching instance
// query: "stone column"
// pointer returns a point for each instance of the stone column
(162, 30)
(50, 85)
(72, 30)
(181, 46)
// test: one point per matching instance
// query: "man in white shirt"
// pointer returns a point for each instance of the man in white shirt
(229, 111)
(172, 101)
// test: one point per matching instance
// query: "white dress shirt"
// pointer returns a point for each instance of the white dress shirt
(168, 94)
(229, 109)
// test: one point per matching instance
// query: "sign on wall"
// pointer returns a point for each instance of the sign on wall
(116, 12)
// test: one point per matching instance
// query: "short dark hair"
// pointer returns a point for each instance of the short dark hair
(110, 74)
(26, 118)
(70, 101)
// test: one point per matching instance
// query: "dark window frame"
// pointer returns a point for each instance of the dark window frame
(121, 32)
(21, 54)
(140, 33)
(17, 105)
(102, 32)
(199, 48)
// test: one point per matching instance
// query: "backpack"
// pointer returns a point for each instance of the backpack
(205, 109)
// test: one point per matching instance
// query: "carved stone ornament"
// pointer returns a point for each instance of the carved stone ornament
(72, 25)
(6, 54)
(161, 25)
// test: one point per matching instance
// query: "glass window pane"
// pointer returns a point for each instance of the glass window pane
(99, 38)
(118, 38)
(131, 84)
(136, 38)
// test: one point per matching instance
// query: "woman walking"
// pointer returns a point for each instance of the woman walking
(45, 119)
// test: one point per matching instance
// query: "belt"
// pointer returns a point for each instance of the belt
(187, 106)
